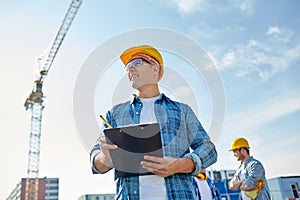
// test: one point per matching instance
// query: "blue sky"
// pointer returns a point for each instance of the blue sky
(255, 46)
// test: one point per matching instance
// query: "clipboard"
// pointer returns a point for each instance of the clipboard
(134, 142)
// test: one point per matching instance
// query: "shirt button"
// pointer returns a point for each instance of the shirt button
(137, 113)
(134, 192)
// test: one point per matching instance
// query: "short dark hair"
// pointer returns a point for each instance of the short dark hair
(247, 150)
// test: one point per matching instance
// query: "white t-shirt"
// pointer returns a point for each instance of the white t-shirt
(242, 177)
(151, 186)
(204, 189)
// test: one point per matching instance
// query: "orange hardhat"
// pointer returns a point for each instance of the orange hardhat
(145, 51)
(239, 143)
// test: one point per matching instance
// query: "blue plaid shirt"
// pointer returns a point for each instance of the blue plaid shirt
(180, 131)
(254, 172)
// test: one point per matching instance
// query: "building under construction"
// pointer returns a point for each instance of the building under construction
(46, 189)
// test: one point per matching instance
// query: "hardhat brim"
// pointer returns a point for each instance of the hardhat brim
(143, 51)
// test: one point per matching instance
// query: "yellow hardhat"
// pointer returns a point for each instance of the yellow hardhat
(239, 143)
(202, 175)
(145, 51)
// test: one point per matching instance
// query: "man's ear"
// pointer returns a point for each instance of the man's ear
(244, 150)
(156, 69)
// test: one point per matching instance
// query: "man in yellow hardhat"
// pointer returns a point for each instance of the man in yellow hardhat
(250, 176)
(205, 187)
(187, 148)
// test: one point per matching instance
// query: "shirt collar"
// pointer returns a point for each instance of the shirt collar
(135, 98)
(248, 160)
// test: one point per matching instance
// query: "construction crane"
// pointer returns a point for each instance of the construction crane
(35, 101)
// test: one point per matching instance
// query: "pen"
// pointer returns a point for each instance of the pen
(105, 121)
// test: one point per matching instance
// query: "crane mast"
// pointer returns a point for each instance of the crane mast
(35, 102)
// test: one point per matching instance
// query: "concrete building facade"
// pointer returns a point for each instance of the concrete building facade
(97, 197)
(283, 188)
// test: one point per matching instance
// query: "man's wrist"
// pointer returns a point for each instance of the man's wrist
(187, 165)
(196, 162)
(245, 187)
(101, 163)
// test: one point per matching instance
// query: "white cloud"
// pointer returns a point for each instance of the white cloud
(279, 34)
(254, 57)
(273, 30)
(187, 6)
(246, 6)
(293, 54)
(191, 6)
(229, 58)
(265, 112)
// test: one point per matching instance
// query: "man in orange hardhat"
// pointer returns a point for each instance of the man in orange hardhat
(187, 148)
(144, 51)
(250, 176)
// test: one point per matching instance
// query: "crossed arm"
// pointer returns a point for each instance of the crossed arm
(235, 184)
(255, 172)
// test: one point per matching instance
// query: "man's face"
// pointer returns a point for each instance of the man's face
(238, 154)
(141, 72)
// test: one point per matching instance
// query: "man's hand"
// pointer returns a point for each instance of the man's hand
(234, 184)
(245, 187)
(103, 160)
(165, 167)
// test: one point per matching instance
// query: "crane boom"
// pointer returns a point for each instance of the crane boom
(69, 17)
(35, 101)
